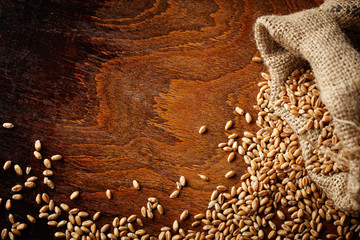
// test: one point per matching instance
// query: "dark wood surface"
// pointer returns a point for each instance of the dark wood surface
(120, 89)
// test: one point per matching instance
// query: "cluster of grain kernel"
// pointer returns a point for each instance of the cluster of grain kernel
(301, 97)
(30, 183)
(70, 223)
(275, 191)
(275, 199)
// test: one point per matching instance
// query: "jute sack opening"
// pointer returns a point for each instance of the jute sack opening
(316, 37)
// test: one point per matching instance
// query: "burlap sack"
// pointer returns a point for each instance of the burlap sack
(316, 37)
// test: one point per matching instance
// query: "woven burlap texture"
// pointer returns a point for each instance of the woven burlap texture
(316, 37)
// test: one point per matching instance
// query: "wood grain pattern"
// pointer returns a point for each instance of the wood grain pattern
(120, 89)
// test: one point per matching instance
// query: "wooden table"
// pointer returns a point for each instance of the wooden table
(120, 89)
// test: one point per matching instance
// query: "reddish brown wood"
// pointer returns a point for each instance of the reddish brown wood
(120, 89)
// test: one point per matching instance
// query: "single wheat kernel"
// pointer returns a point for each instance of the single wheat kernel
(96, 216)
(17, 188)
(37, 145)
(56, 157)
(228, 125)
(248, 118)
(18, 170)
(184, 215)
(136, 184)
(8, 204)
(174, 194)
(160, 209)
(256, 59)
(182, 181)
(31, 218)
(38, 198)
(132, 218)
(231, 157)
(48, 173)
(152, 199)
(108, 194)
(45, 197)
(74, 195)
(203, 177)
(37, 155)
(230, 174)
(47, 163)
(202, 129)
(239, 111)
(8, 125)
(60, 235)
(265, 76)
(7, 165)
(221, 188)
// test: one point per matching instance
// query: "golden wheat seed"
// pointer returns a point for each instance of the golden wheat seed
(182, 181)
(17, 197)
(65, 207)
(37, 155)
(28, 170)
(8, 125)
(52, 223)
(16, 188)
(56, 157)
(280, 214)
(74, 211)
(21, 226)
(233, 136)
(45, 197)
(176, 225)
(152, 199)
(184, 215)
(202, 129)
(143, 211)
(174, 194)
(96, 216)
(8, 204)
(248, 118)
(256, 59)
(160, 209)
(37, 145)
(11, 235)
(44, 208)
(50, 184)
(31, 218)
(11, 218)
(221, 188)
(47, 163)
(230, 174)
(132, 218)
(48, 173)
(239, 111)
(51, 205)
(38, 198)
(221, 145)
(4, 233)
(7, 165)
(74, 195)
(59, 235)
(31, 179)
(265, 76)
(203, 177)
(18, 170)
(108, 194)
(136, 184)
(228, 125)
(231, 157)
